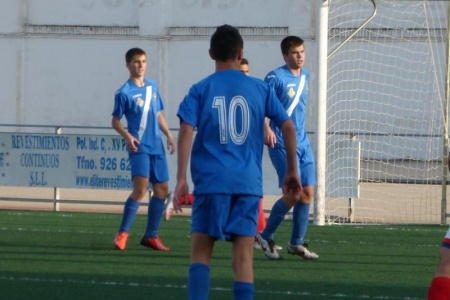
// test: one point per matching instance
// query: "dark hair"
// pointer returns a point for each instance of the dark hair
(290, 41)
(225, 43)
(244, 61)
(132, 52)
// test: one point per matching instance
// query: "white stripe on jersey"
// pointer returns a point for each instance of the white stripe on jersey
(297, 96)
(148, 99)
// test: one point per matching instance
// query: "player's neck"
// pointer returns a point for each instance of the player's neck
(227, 65)
(296, 72)
(139, 81)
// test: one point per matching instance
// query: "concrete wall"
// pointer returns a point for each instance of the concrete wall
(62, 60)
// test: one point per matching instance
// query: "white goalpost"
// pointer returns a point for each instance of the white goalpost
(382, 117)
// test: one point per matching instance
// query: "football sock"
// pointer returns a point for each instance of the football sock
(439, 289)
(300, 217)
(243, 290)
(154, 216)
(198, 281)
(129, 213)
(261, 217)
(279, 210)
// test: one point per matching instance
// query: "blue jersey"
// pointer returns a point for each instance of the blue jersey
(228, 110)
(140, 105)
(293, 93)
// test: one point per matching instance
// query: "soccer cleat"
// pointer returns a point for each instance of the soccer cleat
(154, 243)
(268, 246)
(301, 250)
(120, 240)
(257, 246)
(168, 209)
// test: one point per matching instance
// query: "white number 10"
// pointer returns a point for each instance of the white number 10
(228, 124)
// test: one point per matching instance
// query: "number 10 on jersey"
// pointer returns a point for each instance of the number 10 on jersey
(237, 123)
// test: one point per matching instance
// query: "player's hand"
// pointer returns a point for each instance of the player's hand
(292, 186)
(270, 139)
(171, 145)
(133, 143)
(181, 190)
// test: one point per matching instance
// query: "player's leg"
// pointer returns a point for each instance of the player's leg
(159, 176)
(300, 218)
(241, 226)
(279, 209)
(199, 279)
(139, 172)
(261, 224)
(440, 285)
(209, 215)
(243, 267)
(300, 215)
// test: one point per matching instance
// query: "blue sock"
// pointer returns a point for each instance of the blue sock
(198, 282)
(300, 217)
(243, 290)
(279, 210)
(129, 213)
(154, 216)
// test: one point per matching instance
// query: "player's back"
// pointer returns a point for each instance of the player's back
(227, 151)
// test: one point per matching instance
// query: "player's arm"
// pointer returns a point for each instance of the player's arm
(291, 183)
(131, 141)
(165, 129)
(185, 136)
(269, 136)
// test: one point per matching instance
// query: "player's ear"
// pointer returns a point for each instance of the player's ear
(211, 54)
(240, 54)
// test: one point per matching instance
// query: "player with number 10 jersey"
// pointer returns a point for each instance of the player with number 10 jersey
(227, 106)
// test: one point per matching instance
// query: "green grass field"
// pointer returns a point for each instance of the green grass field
(61, 255)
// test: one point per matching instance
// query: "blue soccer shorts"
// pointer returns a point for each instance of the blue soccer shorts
(305, 163)
(154, 167)
(223, 216)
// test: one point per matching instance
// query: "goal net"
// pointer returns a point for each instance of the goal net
(385, 111)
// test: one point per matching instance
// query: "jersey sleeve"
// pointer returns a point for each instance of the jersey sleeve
(189, 109)
(272, 80)
(159, 101)
(119, 104)
(274, 110)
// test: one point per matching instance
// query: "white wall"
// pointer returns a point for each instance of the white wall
(62, 60)
(56, 70)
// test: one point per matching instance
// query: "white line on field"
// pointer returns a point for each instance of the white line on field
(171, 286)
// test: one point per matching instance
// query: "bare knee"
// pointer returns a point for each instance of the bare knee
(139, 194)
(140, 188)
(307, 194)
(160, 190)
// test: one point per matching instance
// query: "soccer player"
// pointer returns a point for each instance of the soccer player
(228, 110)
(440, 285)
(290, 83)
(244, 67)
(141, 104)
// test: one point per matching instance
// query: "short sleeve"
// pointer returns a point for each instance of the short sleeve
(119, 105)
(189, 109)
